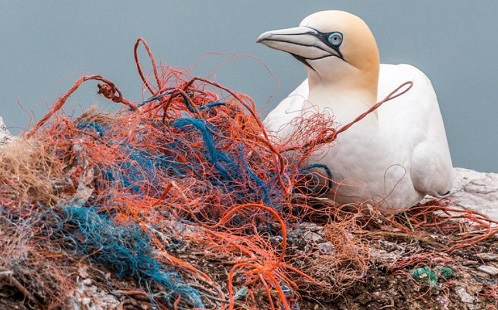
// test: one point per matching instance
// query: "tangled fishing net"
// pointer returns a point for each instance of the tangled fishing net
(185, 193)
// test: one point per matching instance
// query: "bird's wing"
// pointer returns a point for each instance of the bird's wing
(416, 116)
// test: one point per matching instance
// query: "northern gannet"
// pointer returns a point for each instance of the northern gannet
(394, 156)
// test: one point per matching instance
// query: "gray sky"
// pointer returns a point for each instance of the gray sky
(46, 46)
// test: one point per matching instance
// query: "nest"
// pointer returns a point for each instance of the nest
(186, 195)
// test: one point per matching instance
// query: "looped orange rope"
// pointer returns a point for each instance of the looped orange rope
(392, 95)
(108, 89)
(154, 66)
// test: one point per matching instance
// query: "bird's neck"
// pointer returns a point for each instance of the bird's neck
(344, 99)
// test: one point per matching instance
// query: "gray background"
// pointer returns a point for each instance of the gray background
(45, 46)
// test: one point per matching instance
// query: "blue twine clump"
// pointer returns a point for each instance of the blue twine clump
(190, 146)
(211, 104)
(214, 156)
(141, 168)
(305, 171)
(136, 172)
(97, 127)
(125, 250)
(230, 168)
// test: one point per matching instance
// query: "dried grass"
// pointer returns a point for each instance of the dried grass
(29, 173)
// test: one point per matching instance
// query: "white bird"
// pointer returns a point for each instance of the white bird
(395, 155)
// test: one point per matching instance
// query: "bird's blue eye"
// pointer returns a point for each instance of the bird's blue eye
(335, 38)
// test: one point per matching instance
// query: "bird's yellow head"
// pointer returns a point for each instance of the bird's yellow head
(335, 47)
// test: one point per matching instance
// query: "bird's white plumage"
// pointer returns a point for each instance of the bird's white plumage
(393, 157)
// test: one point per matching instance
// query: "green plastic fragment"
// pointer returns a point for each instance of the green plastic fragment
(425, 274)
(428, 276)
(445, 272)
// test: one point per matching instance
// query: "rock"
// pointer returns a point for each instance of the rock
(491, 270)
(90, 297)
(5, 135)
(326, 248)
(87, 282)
(443, 301)
(476, 191)
(464, 296)
(469, 262)
(313, 237)
(487, 256)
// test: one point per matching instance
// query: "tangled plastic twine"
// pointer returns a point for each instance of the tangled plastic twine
(194, 151)
(191, 167)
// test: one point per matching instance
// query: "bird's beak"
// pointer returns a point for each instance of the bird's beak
(304, 43)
